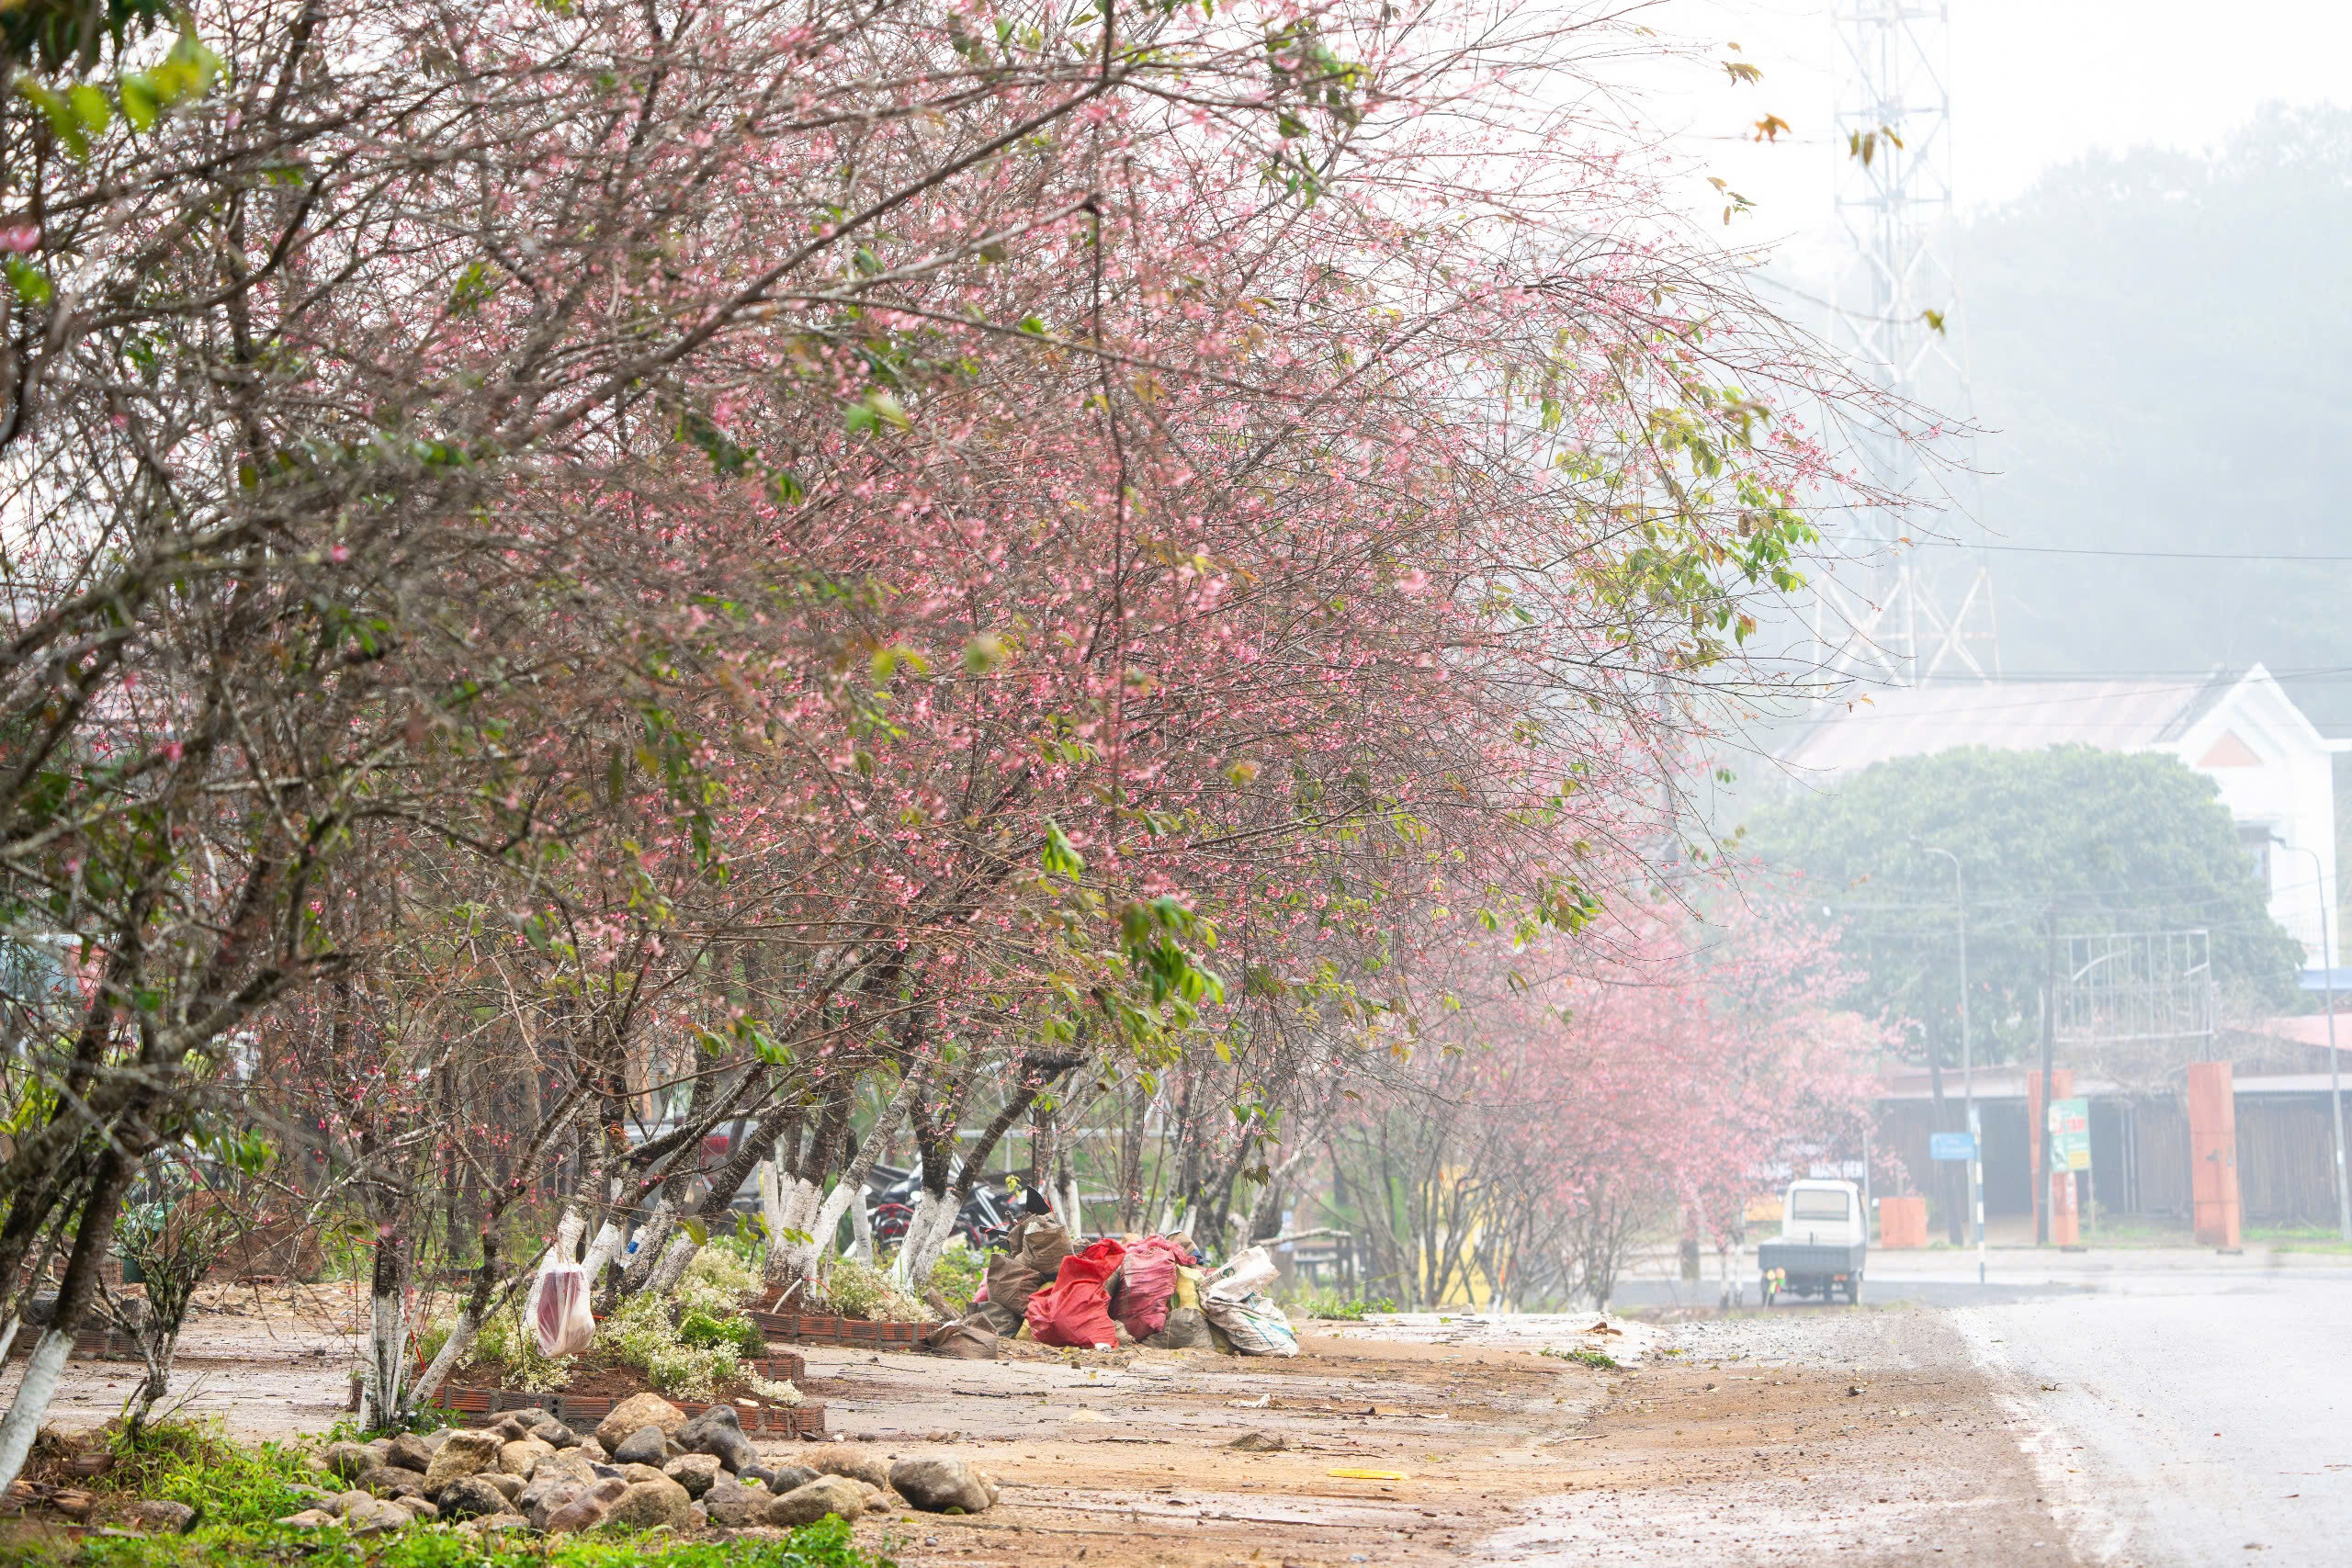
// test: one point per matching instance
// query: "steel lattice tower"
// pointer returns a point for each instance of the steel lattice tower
(1897, 617)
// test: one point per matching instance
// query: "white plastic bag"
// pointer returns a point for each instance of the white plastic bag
(560, 1314)
(1256, 1325)
(1241, 1276)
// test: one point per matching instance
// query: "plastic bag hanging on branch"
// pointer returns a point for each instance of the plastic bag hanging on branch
(559, 1314)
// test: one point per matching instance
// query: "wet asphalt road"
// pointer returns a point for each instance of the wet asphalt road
(2187, 1417)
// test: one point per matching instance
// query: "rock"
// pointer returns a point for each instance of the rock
(342, 1502)
(163, 1514)
(649, 1504)
(719, 1432)
(587, 1508)
(941, 1485)
(497, 1524)
(647, 1445)
(840, 1494)
(849, 1460)
(639, 1410)
(433, 1440)
(471, 1496)
(511, 1427)
(694, 1471)
(780, 1478)
(521, 1456)
(731, 1503)
(418, 1508)
(554, 1433)
(509, 1486)
(633, 1473)
(698, 1517)
(465, 1453)
(347, 1461)
(308, 1519)
(381, 1447)
(592, 1449)
(545, 1494)
(565, 1463)
(411, 1451)
(371, 1516)
(1258, 1443)
(390, 1481)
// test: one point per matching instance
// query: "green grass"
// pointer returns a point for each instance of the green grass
(1601, 1359)
(185, 1462)
(1332, 1307)
(825, 1544)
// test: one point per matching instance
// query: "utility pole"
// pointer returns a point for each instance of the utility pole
(2049, 1073)
(2334, 1072)
(1967, 1056)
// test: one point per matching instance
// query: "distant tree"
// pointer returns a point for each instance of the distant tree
(2145, 335)
(2070, 839)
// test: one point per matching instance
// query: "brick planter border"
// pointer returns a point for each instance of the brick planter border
(476, 1406)
(854, 1331)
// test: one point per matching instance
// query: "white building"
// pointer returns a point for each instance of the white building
(2238, 728)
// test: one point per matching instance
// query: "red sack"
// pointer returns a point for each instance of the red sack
(1075, 1310)
(1148, 1286)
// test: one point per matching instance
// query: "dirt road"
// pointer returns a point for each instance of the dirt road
(1741, 1435)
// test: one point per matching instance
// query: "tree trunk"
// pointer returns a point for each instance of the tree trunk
(46, 1367)
(849, 1192)
(380, 1388)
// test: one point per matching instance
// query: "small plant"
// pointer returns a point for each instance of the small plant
(851, 1289)
(1601, 1359)
(1332, 1307)
(700, 1328)
(955, 1278)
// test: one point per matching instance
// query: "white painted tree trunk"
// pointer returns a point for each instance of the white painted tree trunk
(1073, 1212)
(387, 1355)
(849, 1192)
(676, 1260)
(861, 1244)
(789, 1206)
(8, 1335)
(927, 1234)
(22, 1424)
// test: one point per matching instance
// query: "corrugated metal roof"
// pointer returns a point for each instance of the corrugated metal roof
(2115, 716)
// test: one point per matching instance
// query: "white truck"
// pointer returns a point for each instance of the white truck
(1824, 1235)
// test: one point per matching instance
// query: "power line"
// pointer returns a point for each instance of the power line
(2130, 555)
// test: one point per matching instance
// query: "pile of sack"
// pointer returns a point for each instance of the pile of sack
(1147, 1290)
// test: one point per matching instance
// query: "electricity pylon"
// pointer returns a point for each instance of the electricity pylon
(1902, 616)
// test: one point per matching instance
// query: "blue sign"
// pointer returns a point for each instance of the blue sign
(1951, 1146)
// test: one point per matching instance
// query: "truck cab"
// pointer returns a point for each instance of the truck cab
(1824, 1241)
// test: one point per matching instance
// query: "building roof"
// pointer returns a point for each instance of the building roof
(2020, 715)
(2004, 716)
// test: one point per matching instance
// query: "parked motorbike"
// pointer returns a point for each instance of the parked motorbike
(891, 1195)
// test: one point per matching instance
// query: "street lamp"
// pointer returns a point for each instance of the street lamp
(1968, 1059)
(2334, 1072)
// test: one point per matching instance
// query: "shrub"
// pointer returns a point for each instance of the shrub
(955, 1278)
(851, 1289)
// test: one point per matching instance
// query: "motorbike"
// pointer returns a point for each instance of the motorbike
(891, 1194)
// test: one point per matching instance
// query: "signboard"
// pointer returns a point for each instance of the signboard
(1951, 1146)
(2070, 1134)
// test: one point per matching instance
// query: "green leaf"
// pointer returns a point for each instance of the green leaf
(90, 107)
(140, 103)
(31, 283)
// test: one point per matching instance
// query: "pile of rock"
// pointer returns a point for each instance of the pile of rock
(647, 1465)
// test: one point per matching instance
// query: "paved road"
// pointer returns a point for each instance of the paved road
(2193, 1416)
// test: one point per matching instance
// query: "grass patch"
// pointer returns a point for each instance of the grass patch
(826, 1544)
(1330, 1306)
(193, 1462)
(1601, 1359)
